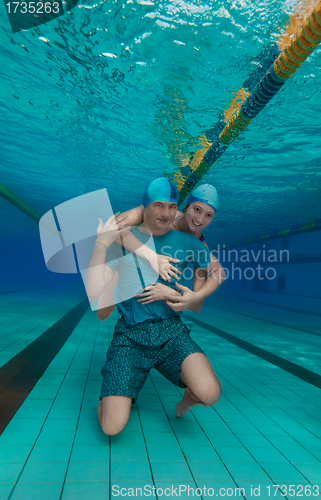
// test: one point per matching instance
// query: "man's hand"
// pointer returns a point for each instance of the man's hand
(157, 291)
(185, 300)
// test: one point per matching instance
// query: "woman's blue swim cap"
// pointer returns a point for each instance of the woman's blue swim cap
(206, 193)
(160, 189)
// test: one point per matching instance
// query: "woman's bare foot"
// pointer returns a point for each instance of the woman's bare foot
(189, 400)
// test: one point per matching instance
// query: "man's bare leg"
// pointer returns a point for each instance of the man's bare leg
(203, 387)
(113, 414)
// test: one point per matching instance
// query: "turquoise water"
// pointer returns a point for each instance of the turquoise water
(113, 94)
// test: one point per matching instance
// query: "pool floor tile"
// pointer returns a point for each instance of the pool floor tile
(56, 437)
(9, 472)
(128, 438)
(311, 443)
(234, 455)
(160, 453)
(162, 438)
(5, 490)
(283, 473)
(37, 491)
(181, 426)
(50, 453)
(52, 424)
(255, 441)
(311, 471)
(300, 456)
(192, 439)
(201, 454)
(224, 440)
(267, 455)
(157, 426)
(247, 471)
(130, 471)
(25, 424)
(14, 453)
(90, 453)
(128, 453)
(147, 416)
(87, 471)
(218, 427)
(43, 472)
(86, 491)
(171, 471)
(209, 471)
(15, 438)
(91, 437)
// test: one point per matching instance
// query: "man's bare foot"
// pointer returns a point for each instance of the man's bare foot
(189, 400)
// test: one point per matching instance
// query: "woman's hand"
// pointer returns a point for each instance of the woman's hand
(187, 299)
(166, 270)
(110, 230)
(157, 291)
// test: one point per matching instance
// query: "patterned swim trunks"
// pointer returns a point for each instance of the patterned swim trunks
(162, 344)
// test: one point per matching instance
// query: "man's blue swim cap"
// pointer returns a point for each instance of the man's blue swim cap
(206, 193)
(161, 189)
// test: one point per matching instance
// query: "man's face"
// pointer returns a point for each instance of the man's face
(159, 215)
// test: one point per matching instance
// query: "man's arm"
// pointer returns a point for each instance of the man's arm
(99, 274)
(160, 263)
(106, 304)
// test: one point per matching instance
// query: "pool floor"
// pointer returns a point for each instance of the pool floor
(264, 431)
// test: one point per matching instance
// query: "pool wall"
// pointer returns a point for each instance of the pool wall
(285, 272)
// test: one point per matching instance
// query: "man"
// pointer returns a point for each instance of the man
(152, 335)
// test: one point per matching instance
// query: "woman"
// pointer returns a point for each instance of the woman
(201, 205)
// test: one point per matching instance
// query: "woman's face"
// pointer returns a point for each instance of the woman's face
(198, 216)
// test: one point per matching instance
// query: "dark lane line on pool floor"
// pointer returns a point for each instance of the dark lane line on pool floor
(270, 321)
(296, 370)
(291, 309)
(19, 375)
